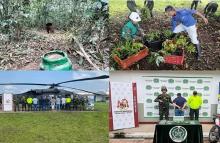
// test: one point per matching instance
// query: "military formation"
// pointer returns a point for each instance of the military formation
(50, 103)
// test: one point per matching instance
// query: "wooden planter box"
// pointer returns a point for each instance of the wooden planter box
(124, 64)
(174, 59)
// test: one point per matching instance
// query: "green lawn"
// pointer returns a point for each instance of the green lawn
(55, 127)
(118, 7)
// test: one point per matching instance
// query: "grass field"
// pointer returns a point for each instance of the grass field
(55, 127)
(118, 7)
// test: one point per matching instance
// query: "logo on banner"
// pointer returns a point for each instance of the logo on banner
(178, 134)
(8, 101)
(123, 104)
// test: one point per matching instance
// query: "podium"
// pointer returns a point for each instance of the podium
(178, 132)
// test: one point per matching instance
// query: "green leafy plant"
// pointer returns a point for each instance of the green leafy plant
(167, 34)
(190, 48)
(153, 36)
(145, 13)
(126, 49)
(155, 58)
(169, 46)
(181, 42)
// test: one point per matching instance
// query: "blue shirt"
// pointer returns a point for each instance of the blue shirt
(185, 17)
(180, 101)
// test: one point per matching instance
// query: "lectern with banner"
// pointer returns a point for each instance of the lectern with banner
(7, 101)
(123, 112)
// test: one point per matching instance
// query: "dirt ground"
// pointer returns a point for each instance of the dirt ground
(26, 53)
(209, 36)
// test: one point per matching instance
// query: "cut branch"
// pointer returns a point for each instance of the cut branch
(84, 53)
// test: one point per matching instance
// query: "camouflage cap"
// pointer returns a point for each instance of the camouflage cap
(163, 88)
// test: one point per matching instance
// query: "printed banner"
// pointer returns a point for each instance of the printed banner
(123, 106)
(7, 101)
(218, 108)
(184, 85)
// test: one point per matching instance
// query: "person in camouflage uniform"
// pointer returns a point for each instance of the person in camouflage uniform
(23, 103)
(16, 103)
(164, 99)
(75, 102)
(132, 6)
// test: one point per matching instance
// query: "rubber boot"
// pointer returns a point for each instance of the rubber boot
(199, 51)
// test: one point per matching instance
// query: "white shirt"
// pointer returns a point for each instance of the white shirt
(35, 100)
(63, 100)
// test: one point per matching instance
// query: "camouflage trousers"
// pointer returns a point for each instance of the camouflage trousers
(150, 6)
(162, 112)
(132, 6)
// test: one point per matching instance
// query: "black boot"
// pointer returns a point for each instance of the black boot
(198, 51)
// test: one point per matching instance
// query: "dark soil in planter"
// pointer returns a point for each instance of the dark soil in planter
(178, 52)
(154, 46)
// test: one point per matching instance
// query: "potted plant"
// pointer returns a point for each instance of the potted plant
(153, 41)
(126, 54)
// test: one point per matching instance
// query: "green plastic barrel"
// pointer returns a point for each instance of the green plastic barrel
(55, 60)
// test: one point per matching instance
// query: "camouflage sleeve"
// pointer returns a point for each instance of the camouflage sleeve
(157, 99)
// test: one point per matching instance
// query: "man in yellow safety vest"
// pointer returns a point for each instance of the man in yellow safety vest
(29, 102)
(68, 101)
(194, 102)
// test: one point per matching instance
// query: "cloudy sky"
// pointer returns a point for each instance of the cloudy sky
(51, 77)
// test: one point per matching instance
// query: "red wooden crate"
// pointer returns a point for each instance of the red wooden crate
(174, 59)
(124, 64)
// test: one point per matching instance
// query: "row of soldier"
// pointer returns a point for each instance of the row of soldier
(48, 103)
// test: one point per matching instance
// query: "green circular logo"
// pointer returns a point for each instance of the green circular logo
(171, 81)
(156, 80)
(149, 113)
(178, 134)
(156, 107)
(156, 93)
(205, 101)
(200, 81)
(149, 100)
(206, 88)
(200, 94)
(185, 81)
(171, 94)
(148, 87)
(185, 94)
(178, 88)
(192, 87)
(205, 114)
